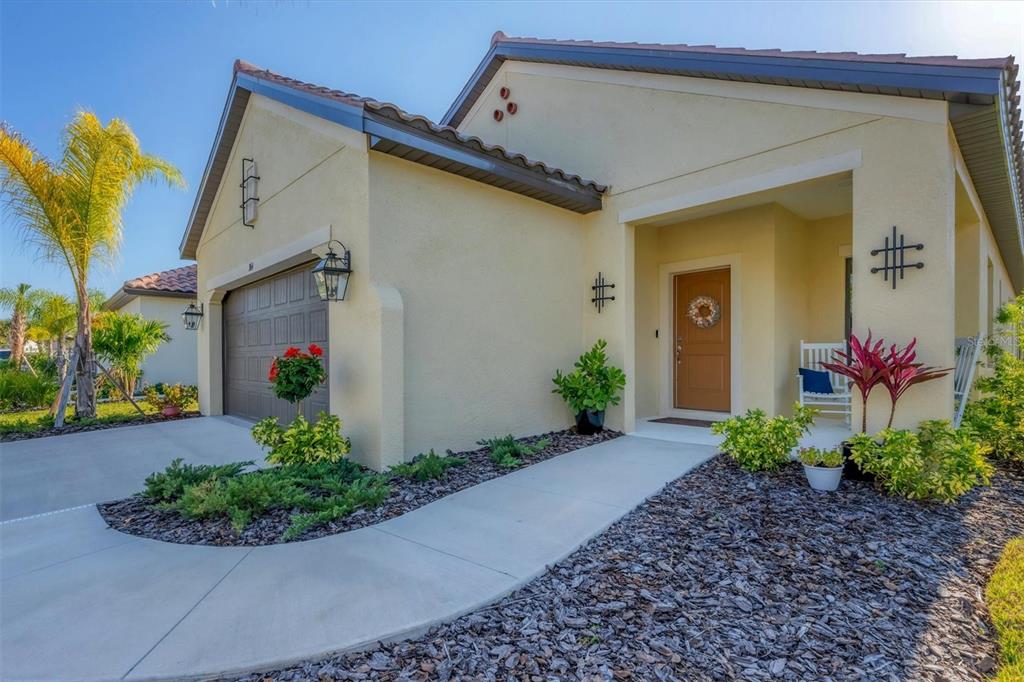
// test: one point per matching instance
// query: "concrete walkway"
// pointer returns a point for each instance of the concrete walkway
(80, 601)
(43, 475)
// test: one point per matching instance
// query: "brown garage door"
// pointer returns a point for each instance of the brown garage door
(261, 320)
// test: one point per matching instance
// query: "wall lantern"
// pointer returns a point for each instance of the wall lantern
(331, 273)
(191, 316)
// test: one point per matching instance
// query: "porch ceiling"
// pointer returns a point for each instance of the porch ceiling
(811, 200)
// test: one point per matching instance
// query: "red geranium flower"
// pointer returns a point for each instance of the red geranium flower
(291, 352)
(273, 371)
(316, 350)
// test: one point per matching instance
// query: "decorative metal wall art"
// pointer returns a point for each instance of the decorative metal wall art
(599, 288)
(250, 199)
(704, 311)
(894, 261)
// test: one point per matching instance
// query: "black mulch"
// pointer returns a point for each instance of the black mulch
(136, 516)
(72, 427)
(728, 575)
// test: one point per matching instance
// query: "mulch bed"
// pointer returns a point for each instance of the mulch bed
(728, 575)
(71, 427)
(136, 516)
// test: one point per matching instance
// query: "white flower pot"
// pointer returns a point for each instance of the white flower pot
(823, 478)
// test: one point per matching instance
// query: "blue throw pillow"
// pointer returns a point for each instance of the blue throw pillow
(815, 381)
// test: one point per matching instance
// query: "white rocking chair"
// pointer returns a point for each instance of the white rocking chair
(812, 355)
(968, 350)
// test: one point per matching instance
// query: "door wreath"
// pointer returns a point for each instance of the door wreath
(704, 311)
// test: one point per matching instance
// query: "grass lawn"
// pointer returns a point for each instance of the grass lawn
(1005, 596)
(35, 420)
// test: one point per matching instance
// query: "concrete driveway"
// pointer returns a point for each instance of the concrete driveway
(81, 601)
(60, 472)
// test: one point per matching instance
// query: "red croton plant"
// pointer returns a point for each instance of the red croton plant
(297, 374)
(869, 364)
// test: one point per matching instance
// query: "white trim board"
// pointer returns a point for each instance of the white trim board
(666, 271)
(773, 179)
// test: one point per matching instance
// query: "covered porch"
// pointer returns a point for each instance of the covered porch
(725, 293)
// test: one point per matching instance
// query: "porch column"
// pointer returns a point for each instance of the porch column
(907, 179)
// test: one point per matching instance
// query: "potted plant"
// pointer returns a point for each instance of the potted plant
(823, 468)
(590, 388)
(173, 400)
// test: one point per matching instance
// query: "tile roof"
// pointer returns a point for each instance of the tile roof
(177, 281)
(421, 123)
(891, 58)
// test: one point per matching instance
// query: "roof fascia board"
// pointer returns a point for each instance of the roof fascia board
(1009, 156)
(468, 87)
(381, 128)
(338, 112)
(973, 80)
(217, 140)
(158, 292)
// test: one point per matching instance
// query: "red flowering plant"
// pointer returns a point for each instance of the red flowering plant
(296, 374)
(904, 372)
(863, 366)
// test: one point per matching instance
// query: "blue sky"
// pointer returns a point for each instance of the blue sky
(165, 68)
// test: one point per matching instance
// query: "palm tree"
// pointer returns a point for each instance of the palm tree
(20, 301)
(125, 340)
(54, 320)
(71, 209)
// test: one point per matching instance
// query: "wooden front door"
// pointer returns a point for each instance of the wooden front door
(701, 347)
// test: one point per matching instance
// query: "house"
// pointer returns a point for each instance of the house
(739, 201)
(163, 296)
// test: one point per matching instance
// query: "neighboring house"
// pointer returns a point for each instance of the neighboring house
(163, 296)
(764, 180)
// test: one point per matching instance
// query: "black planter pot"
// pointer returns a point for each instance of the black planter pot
(851, 470)
(589, 422)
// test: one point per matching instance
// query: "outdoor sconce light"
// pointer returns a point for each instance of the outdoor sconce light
(191, 316)
(331, 274)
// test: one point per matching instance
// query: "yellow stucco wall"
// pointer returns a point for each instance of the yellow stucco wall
(492, 286)
(667, 143)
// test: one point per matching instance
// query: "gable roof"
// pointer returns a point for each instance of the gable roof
(392, 131)
(178, 282)
(983, 95)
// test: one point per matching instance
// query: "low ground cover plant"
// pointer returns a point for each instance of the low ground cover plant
(508, 453)
(816, 457)
(1005, 598)
(315, 493)
(936, 463)
(760, 443)
(302, 442)
(427, 467)
(170, 484)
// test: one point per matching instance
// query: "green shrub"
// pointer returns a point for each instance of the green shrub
(240, 498)
(21, 389)
(997, 417)
(592, 385)
(939, 462)
(1005, 598)
(366, 492)
(816, 457)
(181, 396)
(428, 467)
(758, 443)
(302, 442)
(170, 484)
(507, 452)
